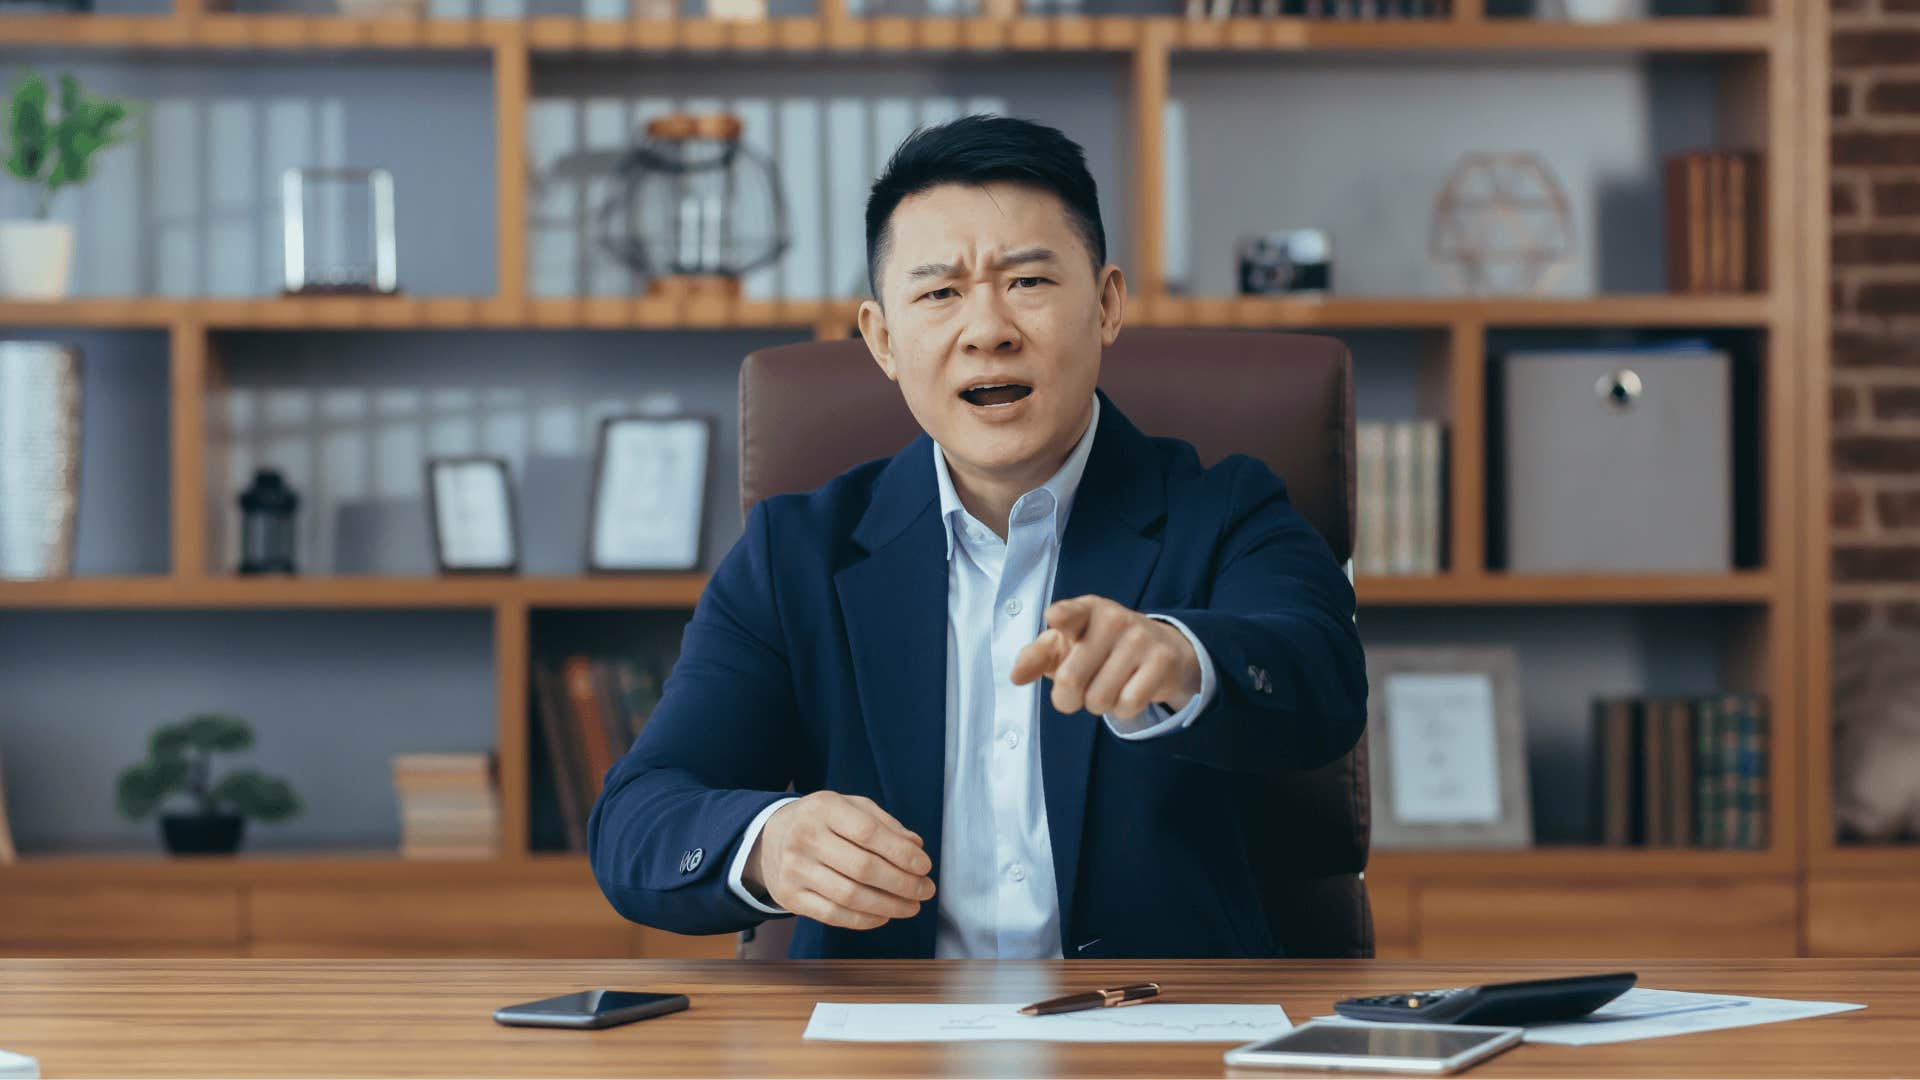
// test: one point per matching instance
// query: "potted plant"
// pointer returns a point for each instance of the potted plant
(180, 759)
(36, 256)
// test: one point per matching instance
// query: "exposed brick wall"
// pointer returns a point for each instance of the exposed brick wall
(1876, 312)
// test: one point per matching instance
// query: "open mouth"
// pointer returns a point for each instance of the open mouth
(998, 394)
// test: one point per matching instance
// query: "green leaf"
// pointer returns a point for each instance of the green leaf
(252, 794)
(141, 788)
(217, 732)
(30, 138)
(85, 128)
(168, 743)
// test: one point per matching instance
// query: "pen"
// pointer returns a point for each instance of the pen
(1108, 998)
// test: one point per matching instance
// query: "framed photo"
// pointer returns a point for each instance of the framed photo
(1447, 746)
(649, 493)
(471, 517)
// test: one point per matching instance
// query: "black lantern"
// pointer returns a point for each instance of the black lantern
(266, 524)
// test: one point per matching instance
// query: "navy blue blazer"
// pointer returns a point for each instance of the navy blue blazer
(816, 656)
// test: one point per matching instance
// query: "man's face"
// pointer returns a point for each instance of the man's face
(990, 285)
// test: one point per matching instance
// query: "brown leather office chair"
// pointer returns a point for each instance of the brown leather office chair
(809, 412)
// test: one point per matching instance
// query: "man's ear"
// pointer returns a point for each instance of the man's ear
(1113, 302)
(873, 330)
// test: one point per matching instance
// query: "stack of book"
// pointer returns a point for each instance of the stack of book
(449, 805)
(1714, 215)
(1681, 772)
(589, 711)
(1400, 493)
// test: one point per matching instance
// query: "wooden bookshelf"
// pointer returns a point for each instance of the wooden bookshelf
(644, 313)
(1426, 903)
(811, 34)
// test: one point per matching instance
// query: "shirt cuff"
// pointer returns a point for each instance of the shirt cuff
(1154, 721)
(739, 867)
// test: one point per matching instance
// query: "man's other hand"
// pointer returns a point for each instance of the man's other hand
(840, 860)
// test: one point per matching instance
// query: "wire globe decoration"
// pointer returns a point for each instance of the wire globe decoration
(1502, 224)
(693, 208)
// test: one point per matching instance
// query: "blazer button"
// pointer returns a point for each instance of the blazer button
(1259, 677)
(691, 860)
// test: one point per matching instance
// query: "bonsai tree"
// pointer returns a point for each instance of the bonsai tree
(180, 758)
(52, 154)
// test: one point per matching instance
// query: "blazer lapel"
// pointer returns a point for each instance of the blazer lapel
(895, 604)
(1107, 551)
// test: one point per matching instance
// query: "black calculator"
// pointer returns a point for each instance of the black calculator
(1497, 1004)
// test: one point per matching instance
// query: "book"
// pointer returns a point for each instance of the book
(1401, 488)
(1753, 773)
(1400, 481)
(1613, 737)
(1432, 483)
(1706, 769)
(584, 703)
(563, 757)
(8, 855)
(1739, 279)
(449, 805)
(1680, 771)
(1370, 443)
(1729, 769)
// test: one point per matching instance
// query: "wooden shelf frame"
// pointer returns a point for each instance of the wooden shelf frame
(1465, 31)
(1783, 649)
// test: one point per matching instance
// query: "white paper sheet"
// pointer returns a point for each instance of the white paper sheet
(1643, 1013)
(1155, 1022)
(18, 1066)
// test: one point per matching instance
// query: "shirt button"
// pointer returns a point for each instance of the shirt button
(1010, 738)
(1013, 606)
(1017, 872)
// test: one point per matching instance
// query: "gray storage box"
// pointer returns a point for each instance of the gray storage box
(1618, 460)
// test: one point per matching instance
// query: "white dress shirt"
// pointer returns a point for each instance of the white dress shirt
(997, 895)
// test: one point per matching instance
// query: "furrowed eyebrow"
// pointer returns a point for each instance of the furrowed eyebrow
(1017, 258)
(1024, 258)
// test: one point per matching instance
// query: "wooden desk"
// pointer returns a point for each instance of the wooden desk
(433, 1017)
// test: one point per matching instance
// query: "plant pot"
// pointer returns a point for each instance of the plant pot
(202, 834)
(382, 9)
(36, 259)
(1605, 11)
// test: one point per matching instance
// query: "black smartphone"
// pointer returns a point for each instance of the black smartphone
(591, 1009)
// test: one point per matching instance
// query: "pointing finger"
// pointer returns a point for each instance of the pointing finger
(1040, 657)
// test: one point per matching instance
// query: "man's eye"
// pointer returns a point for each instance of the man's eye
(1036, 281)
(935, 294)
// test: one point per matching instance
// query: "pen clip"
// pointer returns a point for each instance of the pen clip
(1133, 994)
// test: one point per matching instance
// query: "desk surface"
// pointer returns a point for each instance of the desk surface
(433, 1017)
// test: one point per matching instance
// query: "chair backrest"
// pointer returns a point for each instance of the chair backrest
(809, 412)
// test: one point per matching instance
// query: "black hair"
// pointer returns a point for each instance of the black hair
(977, 149)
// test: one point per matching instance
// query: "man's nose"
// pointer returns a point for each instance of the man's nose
(990, 326)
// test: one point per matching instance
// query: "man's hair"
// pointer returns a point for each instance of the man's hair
(977, 149)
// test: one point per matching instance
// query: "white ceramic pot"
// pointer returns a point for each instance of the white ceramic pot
(36, 259)
(1605, 11)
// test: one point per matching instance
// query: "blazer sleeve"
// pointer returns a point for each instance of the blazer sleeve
(1292, 680)
(717, 748)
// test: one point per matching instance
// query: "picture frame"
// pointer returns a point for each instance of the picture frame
(1447, 748)
(650, 477)
(471, 515)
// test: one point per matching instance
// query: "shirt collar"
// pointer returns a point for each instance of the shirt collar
(1062, 485)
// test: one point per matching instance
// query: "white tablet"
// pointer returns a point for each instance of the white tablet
(1414, 1048)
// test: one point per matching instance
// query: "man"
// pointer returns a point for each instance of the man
(879, 643)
